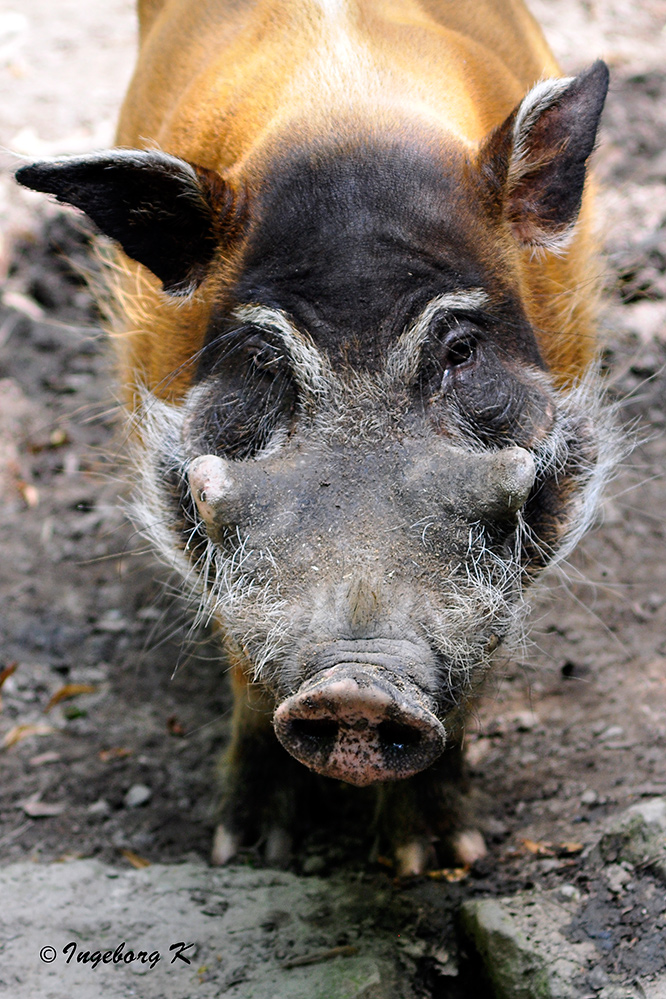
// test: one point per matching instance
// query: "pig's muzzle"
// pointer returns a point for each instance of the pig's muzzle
(355, 726)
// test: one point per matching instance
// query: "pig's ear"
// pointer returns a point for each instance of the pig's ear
(165, 212)
(534, 163)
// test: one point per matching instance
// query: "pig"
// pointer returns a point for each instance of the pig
(355, 279)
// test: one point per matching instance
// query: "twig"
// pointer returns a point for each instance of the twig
(317, 956)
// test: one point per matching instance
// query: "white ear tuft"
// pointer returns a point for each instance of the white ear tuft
(536, 160)
(540, 98)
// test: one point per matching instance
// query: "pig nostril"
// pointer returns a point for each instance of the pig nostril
(318, 733)
(398, 738)
(360, 732)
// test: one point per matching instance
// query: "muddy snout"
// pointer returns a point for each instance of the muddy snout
(354, 726)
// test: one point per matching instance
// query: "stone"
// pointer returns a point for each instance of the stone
(656, 989)
(569, 892)
(524, 954)
(597, 978)
(618, 875)
(638, 837)
(514, 967)
(101, 808)
(88, 930)
(137, 795)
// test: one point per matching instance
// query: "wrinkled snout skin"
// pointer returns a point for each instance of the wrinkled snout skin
(355, 288)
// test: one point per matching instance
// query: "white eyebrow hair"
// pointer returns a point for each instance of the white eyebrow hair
(310, 366)
(403, 361)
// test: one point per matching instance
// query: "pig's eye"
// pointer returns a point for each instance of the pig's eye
(449, 353)
(250, 394)
(459, 349)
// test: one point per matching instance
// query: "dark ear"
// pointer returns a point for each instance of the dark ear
(534, 163)
(166, 213)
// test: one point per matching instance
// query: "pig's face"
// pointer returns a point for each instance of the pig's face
(364, 537)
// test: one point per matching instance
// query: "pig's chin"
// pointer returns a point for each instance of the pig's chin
(352, 723)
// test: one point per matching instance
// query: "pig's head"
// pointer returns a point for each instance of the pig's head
(373, 459)
(370, 556)
(378, 562)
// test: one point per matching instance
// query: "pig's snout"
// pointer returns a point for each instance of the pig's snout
(358, 729)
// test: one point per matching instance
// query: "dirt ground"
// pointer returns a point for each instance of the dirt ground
(574, 733)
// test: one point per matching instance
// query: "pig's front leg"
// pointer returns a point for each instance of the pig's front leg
(259, 782)
(426, 822)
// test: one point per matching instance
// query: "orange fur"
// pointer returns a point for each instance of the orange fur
(225, 83)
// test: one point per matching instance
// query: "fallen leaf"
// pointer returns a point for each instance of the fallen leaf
(542, 849)
(114, 753)
(68, 691)
(20, 732)
(539, 849)
(450, 874)
(135, 860)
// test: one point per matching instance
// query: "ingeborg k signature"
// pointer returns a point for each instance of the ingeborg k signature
(121, 955)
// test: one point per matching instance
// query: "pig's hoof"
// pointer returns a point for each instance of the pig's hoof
(467, 846)
(419, 855)
(225, 846)
(427, 822)
(415, 857)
